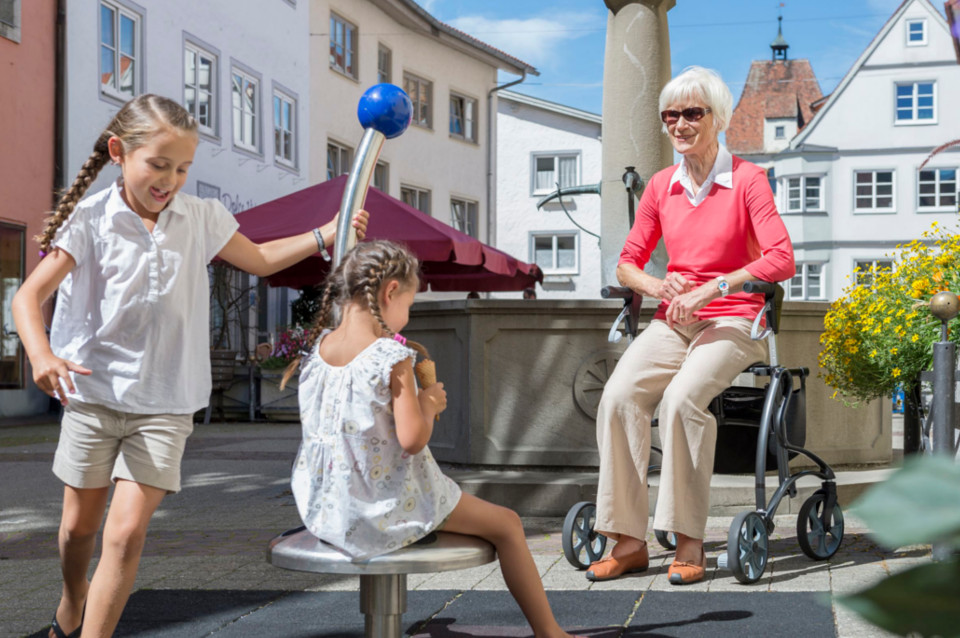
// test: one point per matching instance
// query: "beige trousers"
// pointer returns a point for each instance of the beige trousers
(682, 369)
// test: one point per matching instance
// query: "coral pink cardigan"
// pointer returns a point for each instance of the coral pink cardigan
(732, 228)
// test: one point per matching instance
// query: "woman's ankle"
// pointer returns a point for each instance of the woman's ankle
(627, 545)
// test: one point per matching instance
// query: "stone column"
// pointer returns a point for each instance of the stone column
(636, 67)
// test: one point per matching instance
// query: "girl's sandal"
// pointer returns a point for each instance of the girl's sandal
(58, 631)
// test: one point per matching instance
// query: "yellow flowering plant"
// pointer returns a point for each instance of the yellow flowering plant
(879, 334)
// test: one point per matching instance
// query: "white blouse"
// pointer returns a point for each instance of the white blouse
(135, 309)
(355, 486)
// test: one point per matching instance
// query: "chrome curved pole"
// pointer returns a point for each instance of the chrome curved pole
(355, 192)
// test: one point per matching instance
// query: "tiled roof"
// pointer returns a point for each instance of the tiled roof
(774, 89)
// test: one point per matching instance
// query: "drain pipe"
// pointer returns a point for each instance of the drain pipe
(491, 117)
(59, 123)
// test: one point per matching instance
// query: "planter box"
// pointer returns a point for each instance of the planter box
(523, 378)
(277, 404)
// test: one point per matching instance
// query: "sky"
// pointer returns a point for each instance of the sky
(564, 39)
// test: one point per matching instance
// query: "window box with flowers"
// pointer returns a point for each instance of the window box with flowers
(274, 402)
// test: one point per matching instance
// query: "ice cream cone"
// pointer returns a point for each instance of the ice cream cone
(426, 371)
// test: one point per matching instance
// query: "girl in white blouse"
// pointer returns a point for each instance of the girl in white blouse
(128, 353)
(364, 480)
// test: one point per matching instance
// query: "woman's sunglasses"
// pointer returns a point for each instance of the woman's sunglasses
(692, 114)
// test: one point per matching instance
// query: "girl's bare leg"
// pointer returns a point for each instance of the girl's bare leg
(502, 527)
(82, 514)
(124, 534)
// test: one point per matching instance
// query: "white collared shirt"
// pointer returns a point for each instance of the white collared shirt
(721, 174)
(135, 309)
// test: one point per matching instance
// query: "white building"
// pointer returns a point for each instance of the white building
(541, 144)
(240, 66)
(849, 185)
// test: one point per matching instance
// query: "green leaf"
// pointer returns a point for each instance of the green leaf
(919, 503)
(921, 599)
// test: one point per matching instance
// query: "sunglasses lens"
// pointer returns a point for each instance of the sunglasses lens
(669, 117)
(693, 113)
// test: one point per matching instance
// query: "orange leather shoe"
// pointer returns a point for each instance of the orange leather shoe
(684, 573)
(610, 568)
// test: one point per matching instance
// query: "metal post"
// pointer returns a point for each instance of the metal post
(944, 306)
(355, 192)
(383, 599)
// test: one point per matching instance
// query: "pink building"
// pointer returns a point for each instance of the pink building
(28, 52)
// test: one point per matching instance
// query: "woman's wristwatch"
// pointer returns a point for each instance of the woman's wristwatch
(723, 286)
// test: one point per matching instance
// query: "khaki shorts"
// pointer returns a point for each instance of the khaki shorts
(99, 445)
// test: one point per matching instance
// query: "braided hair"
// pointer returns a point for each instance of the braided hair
(134, 124)
(358, 279)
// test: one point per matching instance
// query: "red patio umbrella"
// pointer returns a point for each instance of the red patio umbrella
(450, 260)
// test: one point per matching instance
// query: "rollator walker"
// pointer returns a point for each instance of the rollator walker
(768, 423)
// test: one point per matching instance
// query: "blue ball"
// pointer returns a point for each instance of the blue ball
(385, 108)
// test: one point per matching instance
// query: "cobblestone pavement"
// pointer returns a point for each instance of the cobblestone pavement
(236, 497)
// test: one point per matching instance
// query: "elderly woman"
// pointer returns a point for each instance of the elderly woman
(721, 228)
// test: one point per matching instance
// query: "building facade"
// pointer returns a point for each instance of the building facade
(444, 164)
(541, 144)
(28, 47)
(241, 67)
(850, 186)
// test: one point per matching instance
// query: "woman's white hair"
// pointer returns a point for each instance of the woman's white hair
(696, 83)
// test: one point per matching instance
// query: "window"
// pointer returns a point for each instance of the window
(865, 270)
(916, 33)
(421, 94)
(339, 159)
(10, 19)
(464, 215)
(873, 191)
(917, 103)
(200, 86)
(937, 188)
(343, 46)
(119, 51)
(384, 64)
(807, 284)
(416, 197)
(12, 256)
(381, 176)
(550, 169)
(779, 132)
(284, 129)
(246, 110)
(463, 117)
(556, 254)
(803, 194)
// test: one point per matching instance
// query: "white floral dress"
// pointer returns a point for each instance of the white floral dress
(355, 486)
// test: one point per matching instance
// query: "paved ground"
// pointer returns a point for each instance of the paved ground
(204, 572)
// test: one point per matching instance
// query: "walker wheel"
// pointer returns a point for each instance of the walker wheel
(747, 547)
(819, 539)
(581, 545)
(667, 540)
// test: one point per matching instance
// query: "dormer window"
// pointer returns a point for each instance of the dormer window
(916, 33)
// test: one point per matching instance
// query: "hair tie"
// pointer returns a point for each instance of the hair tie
(42, 254)
(398, 337)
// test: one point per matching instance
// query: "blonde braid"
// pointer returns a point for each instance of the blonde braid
(330, 292)
(87, 175)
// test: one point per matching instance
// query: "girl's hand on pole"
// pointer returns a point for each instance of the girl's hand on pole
(51, 374)
(360, 223)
